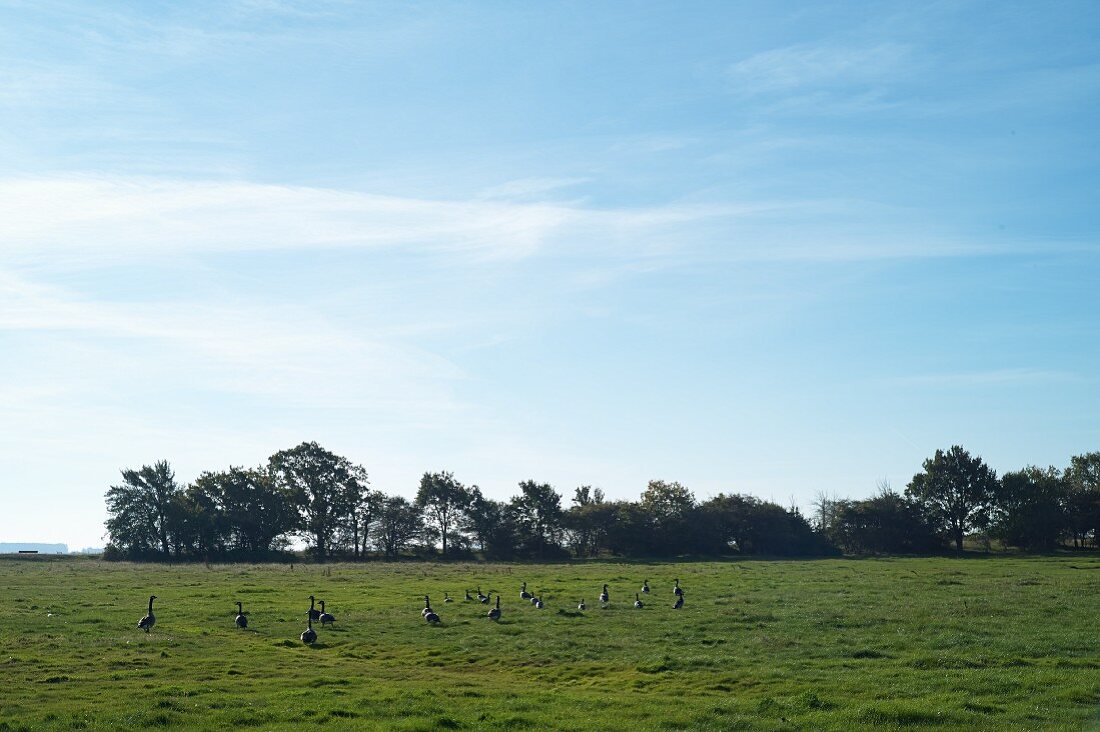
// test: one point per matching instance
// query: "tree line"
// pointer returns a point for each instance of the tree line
(326, 500)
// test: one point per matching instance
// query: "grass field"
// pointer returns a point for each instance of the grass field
(975, 643)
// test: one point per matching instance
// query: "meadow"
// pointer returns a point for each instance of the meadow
(972, 643)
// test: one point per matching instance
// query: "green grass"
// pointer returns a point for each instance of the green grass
(1001, 643)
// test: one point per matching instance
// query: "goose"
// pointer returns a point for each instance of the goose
(147, 622)
(523, 593)
(324, 617)
(309, 635)
(638, 601)
(494, 614)
(679, 602)
(676, 590)
(645, 587)
(314, 614)
(468, 598)
(534, 599)
(538, 603)
(481, 598)
(242, 621)
(428, 613)
(604, 597)
(580, 606)
(447, 598)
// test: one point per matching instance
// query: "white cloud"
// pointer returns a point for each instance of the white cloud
(994, 377)
(816, 65)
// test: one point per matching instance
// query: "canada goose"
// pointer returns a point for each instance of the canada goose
(494, 614)
(324, 617)
(314, 614)
(538, 603)
(676, 590)
(481, 598)
(580, 606)
(645, 587)
(242, 621)
(679, 602)
(534, 599)
(447, 598)
(638, 601)
(309, 635)
(147, 622)
(523, 593)
(428, 613)
(468, 598)
(604, 597)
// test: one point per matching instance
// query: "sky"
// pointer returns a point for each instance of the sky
(784, 249)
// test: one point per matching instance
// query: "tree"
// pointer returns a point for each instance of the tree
(885, 523)
(359, 505)
(141, 511)
(255, 512)
(202, 526)
(320, 486)
(538, 515)
(585, 521)
(1030, 508)
(1083, 484)
(670, 507)
(442, 499)
(491, 524)
(398, 524)
(356, 530)
(955, 491)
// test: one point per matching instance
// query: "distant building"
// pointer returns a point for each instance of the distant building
(16, 547)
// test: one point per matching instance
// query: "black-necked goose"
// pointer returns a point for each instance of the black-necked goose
(324, 617)
(149, 620)
(309, 635)
(242, 621)
(428, 613)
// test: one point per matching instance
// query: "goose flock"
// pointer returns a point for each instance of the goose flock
(309, 635)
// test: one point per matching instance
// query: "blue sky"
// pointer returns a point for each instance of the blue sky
(771, 248)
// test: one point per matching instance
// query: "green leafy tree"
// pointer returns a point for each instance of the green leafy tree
(256, 513)
(586, 522)
(538, 515)
(1083, 484)
(955, 491)
(1030, 508)
(398, 525)
(886, 523)
(671, 509)
(202, 528)
(321, 485)
(442, 499)
(142, 510)
(490, 524)
(356, 530)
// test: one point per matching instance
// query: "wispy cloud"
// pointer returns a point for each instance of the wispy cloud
(104, 220)
(804, 66)
(992, 377)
